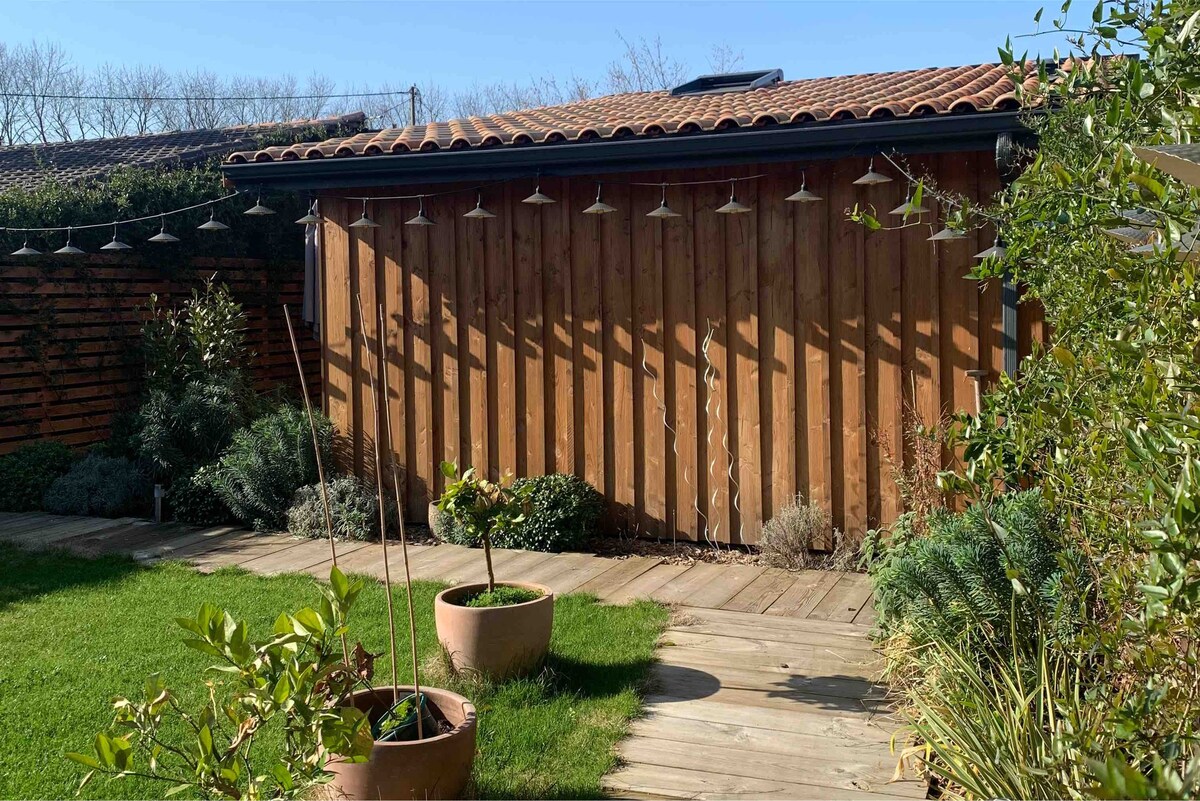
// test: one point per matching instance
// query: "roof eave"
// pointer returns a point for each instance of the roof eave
(941, 134)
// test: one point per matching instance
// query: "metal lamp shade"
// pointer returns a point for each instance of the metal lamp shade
(364, 222)
(258, 209)
(803, 196)
(908, 208)
(538, 199)
(308, 219)
(69, 250)
(663, 212)
(479, 213)
(213, 225)
(116, 244)
(419, 219)
(599, 207)
(947, 235)
(25, 250)
(163, 236)
(996, 251)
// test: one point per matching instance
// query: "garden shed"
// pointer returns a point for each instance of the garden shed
(700, 367)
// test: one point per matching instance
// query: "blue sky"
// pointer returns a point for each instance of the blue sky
(457, 44)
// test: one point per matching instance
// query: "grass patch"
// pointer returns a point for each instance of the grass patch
(501, 596)
(75, 632)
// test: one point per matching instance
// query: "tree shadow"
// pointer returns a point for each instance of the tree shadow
(31, 574)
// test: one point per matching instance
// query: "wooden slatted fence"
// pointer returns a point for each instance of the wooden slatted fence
(69, 330)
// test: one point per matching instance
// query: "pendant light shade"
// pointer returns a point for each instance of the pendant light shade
(599, 207)
(420, 219)
(803, 196)
(312, 218)
(664, 211)
(162, 235)
(872, 178)
(479, 212)
(364, 221)
(25, 250)
(947, 234)
(996, 251)
(908, 208)
(258, 209)
(733, 206)
(1131, 235)
(213, 224)
(69, 249)
(115, 244)
(537, 198)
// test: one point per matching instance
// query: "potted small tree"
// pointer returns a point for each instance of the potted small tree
(422, 739)
(499, 630)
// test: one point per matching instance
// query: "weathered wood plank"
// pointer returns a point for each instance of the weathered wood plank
(760, 593)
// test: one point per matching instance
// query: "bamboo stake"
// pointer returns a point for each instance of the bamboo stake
(312, 426)
(412, 623)
(387, 575)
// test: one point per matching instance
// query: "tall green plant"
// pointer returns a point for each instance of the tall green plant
(295, 683)
(482, 507)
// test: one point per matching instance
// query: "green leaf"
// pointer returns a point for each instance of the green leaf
(176, 790)
(85, 781)
(84, 759)
(449, 470)
(339, 583)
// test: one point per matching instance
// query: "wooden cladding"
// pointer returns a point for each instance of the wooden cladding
(701, 371)
(69, 333)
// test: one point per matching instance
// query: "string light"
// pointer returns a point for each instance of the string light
(908, 208)
(872, 178)
(803, 196)
(664, 211)
(312, 218)
(537, 198)
(733, 206)
(996, 251)
(258, 209)
(213, 223)
(599, 207)
(420, 219)
(479, 212)
(69, 249)
(162, 235)
(115, 244)
(947, 234)
(364, 221)
(25, 250)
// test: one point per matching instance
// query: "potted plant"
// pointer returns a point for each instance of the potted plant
(499, 630)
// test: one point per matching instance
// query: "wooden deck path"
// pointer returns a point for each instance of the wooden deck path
(765, 681)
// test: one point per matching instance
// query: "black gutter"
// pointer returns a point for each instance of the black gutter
(806, 142)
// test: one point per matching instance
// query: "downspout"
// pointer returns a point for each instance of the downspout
(1012, 156)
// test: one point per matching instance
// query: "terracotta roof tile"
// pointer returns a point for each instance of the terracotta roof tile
(28, 166)
(885, 95)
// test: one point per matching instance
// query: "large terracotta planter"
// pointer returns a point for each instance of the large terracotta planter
(436, 767)
(498, 641)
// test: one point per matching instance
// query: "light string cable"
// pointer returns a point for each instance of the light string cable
(146, 218)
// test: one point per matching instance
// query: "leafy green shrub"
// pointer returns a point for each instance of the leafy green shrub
(973, 571)
(103, 486)
(353, 509)
(561, 512)
(27, 472)
(258, 474)
(192, 499)
(188, 426)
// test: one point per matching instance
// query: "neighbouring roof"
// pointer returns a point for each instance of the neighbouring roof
(30, 165)
(878, 96)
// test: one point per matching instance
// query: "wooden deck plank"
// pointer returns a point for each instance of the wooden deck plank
(821, 767)
(522, 563)
(575, 575)
(170, 548)
(46, 536)
(849, 727)
(687, 583)
(20, 524)
(845, 675)
(802, 597)
(787, 626)
(845, 600)
(729, 582)
(616, 577)
(759, 594)
(695, 784)
(438, 563)
(303, 555)
(646, 583)
(742, 736)
(241, 552)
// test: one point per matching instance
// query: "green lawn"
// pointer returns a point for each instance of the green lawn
(75, 632)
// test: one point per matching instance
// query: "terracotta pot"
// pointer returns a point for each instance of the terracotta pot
(436, 767)
(497, 641)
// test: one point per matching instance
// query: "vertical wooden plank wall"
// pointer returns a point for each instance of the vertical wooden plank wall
(701, 371)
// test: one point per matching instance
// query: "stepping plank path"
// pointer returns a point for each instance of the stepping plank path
(765, 680)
